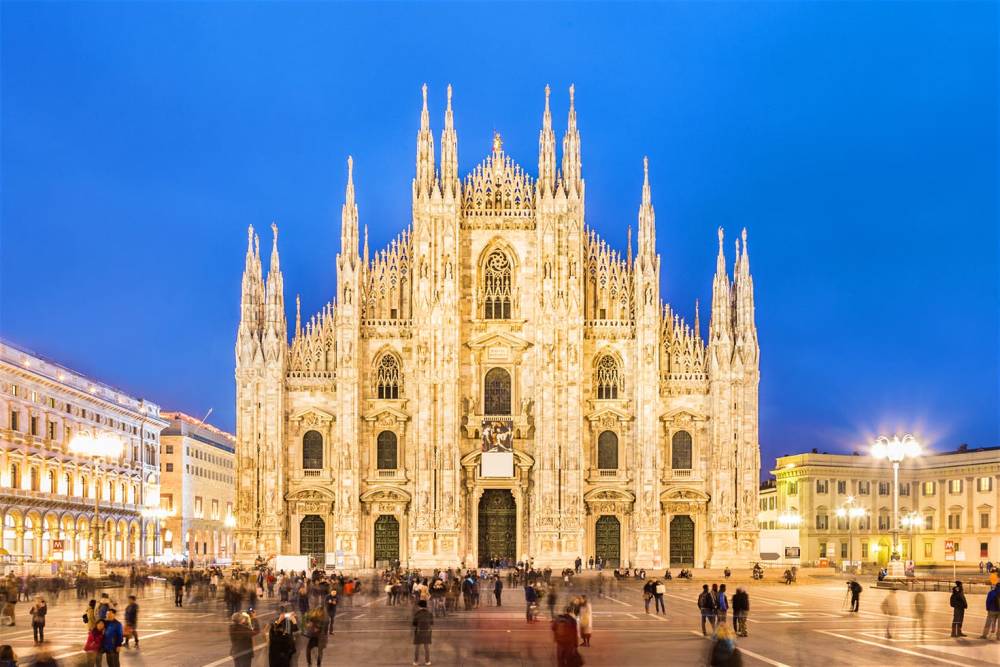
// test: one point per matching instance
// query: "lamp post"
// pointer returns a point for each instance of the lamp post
(895, 450)
(97, 447)
(850, 512)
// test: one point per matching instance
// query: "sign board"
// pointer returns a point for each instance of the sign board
(959, 555)
(497, 464)
(791, 552)
(58, 545)
(949, 549)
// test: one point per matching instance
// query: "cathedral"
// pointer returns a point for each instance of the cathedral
(497, 382)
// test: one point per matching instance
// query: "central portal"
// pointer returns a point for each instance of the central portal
(497, 525)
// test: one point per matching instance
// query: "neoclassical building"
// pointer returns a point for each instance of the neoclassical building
(497, 316)
(47, 492)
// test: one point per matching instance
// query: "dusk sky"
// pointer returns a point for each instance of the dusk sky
(857, 142)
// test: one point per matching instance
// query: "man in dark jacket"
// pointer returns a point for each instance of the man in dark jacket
(242, 630)
(113, 637)
(706, 603)
(958, 605)
(281, 640)
(565, 634)
(423, 619)
(741, 609)
(178, 583)
(992, 613)
(855, 594)
(132, 621)
(497, 589)
(530, 600)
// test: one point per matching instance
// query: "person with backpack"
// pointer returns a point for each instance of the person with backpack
(317, 629)
(741, 609)
(659, 590)
(90, 616)
(721, 605)
(37, 613)
(565, 633)
(423, 619)
(959, 605)
(855, 594)
(706, 604)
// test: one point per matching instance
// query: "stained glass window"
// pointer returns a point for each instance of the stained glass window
(497, 392)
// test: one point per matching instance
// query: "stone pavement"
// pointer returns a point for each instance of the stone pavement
(802, 624)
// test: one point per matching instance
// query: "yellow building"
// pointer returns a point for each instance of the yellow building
(47, 492)
(948, 504)
(198, 486)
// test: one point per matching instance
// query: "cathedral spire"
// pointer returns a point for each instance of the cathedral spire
(571, 150)
(425, 151)
(349, 218)
(546, 151)
(449, 151)
(743, 286)
(298, 316)
(647, 218)
(697, 319)
(720, 326)
(275, 292)
(252, 299)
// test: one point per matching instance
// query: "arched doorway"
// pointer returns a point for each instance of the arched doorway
(312, 537)
(497, 525)
(386, 540)
(681, 541)
(608, 540)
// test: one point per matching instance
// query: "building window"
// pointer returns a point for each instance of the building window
(34, 425)
(984, 520)
(883, 488)
(607, 451)
(607, 378)
(51, 430)
(865, 522)
(680, 451)
(984, 484)
(15, 420)
(312, 450)
(170, 449)
(198, 507)
(842, 523)
(822, 522)
(841, 486)
(929, 488)
(387, 377)
(35, 481)
(864, 550)
(215, 509)
(883, 522)
(70, 491)
(928, 549)
(822, 549)
(167, 502)
(984, 549)
(497, 292)
(929, 522)
(15, 476)
(822, 486)
(771, 503)
(954, 486)
(496, 392)
(170, 467)
(793, 488)
(386, 456)
(904, 488)
(864, 487)
(955, 521)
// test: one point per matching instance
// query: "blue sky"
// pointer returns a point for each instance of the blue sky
(856, 141)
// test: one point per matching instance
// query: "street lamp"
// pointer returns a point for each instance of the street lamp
(895, 450)
(849, 511)
(102, 445)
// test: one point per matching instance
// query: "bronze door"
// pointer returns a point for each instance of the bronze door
(312, 537)
(608, 540)
(497, 525)
(681, 541)
(386, 540)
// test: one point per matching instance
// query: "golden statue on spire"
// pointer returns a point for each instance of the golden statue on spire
(497, 142)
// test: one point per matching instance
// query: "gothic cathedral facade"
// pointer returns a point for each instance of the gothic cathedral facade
(633, 438)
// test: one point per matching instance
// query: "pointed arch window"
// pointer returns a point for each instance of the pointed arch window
(496, 392)
(312, 450)
(387, 377)
(497, 286)
(607, 378)
(607, 451)
(386, 456)
(680, 451)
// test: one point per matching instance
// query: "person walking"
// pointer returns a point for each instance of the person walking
(647, 594)
(242, 630)
(741, 609)
(855, 594)
(530, 602)
(281, 639)
(37, 613)
(566, 635)
(423, 619)
(112, 641)
(317, 630)
(919, 609)
(132, 621)
(498, 590)
(586, 616)
(959, 605)
(891, 609)
(331, 607)
(722, 606)
(992, 613)
(551, 600)
(178, 583)
(706, 604)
